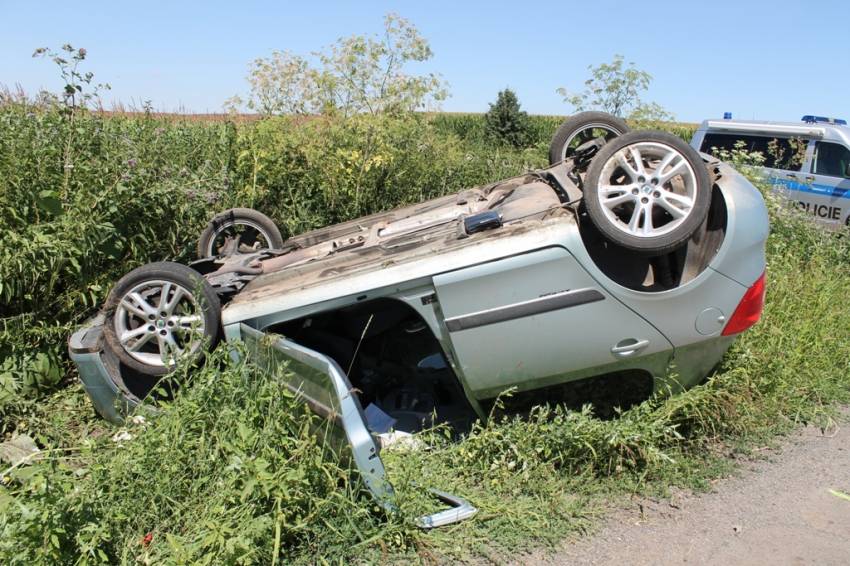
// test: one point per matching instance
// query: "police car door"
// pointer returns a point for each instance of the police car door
(829, 183)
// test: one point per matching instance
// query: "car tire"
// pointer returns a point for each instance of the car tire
(158, 314)
(647, 191)
(581, 128)
(218, 237)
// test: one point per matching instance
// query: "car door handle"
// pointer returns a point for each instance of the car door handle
(628, 347)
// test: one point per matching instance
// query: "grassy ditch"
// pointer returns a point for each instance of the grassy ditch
(229, 473)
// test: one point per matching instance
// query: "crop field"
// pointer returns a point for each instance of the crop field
(227, 472)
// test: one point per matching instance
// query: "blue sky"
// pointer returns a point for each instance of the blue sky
(758, 59)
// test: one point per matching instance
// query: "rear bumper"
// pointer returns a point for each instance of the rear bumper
(96, 372)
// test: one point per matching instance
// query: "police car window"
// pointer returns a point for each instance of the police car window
(830, 159)
(778, 153)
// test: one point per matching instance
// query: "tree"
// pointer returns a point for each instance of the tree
(356, 74)
(505, 121)
(612, 87)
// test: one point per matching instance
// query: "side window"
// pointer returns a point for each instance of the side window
(831, 159)
(779, 153)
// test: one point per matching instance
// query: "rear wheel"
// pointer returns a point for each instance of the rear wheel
(582, 128)
(647, 191)
(239, 231)
(161, 313)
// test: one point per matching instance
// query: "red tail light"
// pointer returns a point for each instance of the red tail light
(749, 309)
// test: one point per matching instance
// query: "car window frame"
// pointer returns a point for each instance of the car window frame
(751, 138)
(813, 160)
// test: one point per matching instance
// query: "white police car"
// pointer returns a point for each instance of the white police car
(808, 160)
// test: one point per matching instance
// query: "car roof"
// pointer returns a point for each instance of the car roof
(818, 130)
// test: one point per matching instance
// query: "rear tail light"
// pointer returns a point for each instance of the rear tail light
(748, 310)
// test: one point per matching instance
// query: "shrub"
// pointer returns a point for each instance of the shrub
(323, 171)
(505, 122)
(82, 202)
(139, 189)
(470, 128)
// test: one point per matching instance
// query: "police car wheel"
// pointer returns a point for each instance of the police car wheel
(582, 128)
(159, 314)
(238, 231)
(647, 191)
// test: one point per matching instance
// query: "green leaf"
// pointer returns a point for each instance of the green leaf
(50, 203)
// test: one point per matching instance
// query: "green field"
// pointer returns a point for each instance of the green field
(227, 473)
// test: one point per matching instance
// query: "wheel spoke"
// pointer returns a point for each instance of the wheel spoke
(163, 296)
(647, 220)
(607, 190)
(163, 347)
(618, 200)
(635, 220)
(170, 304)
(674, 211)
(131, 307)
(185, 322)
(667, 160)
(636, 155)
(172, 346)
(135, 333)
(140, 303)
(627, 167)
(685, 201)
(137, 345)
(675, 170)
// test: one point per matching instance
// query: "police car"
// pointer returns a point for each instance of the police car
(808, 161)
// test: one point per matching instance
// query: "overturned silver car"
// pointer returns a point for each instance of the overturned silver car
(631, 259)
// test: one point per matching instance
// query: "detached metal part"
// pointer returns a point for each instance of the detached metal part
(315, 379)
(460, 511)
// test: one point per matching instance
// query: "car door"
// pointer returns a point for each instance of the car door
(828, 183)
(318, 382)
(538, 319)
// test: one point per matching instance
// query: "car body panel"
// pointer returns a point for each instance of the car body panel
(278, 296)
(737, 264)
(97, 374)
(319, 382)
(742, 255)
(537, 319)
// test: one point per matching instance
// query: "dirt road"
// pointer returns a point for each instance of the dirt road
(778, 511)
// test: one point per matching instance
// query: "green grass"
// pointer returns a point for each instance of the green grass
(228, 473)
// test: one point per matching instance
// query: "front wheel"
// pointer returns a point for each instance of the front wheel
(581, 128)
(161, 313)
(238, 231)
(647, 191)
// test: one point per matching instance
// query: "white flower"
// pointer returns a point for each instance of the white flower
(121, 436)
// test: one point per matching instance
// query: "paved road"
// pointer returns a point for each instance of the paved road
(778, 511)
